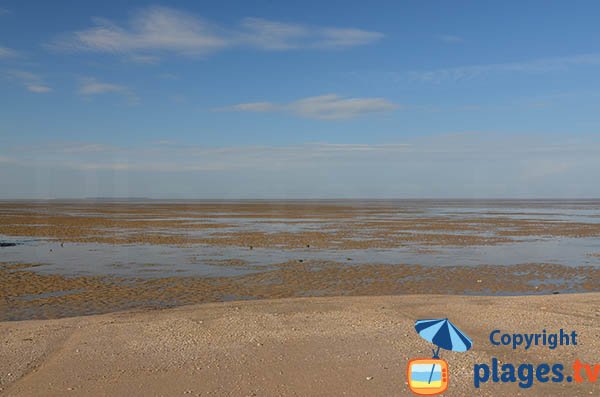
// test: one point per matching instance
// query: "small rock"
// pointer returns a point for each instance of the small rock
(369, 377)
(479, 281)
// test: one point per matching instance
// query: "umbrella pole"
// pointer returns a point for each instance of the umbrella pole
(435, 355)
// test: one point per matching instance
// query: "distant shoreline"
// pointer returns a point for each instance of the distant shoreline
(294, 200)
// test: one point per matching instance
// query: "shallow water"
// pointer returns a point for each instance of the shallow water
(145, 260)
(205, 260)
(424, 246)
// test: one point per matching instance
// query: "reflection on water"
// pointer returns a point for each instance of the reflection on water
(145, 260)
(363, 218)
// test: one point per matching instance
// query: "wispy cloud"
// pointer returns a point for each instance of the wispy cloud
(6, 52)
(340, 38)
(272, 35)
(4, 11)
(252, 107)
(450, 39)
(147, 59)
(324, 107)
(89, 86)
(166, 156)
(168, 76)
(532, 66)
(75, 147)
(455, 165)
(156, 30)
(172, 157)
(32, 82)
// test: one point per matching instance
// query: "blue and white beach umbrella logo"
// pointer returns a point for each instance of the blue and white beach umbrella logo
(443, 334)
(429, 376)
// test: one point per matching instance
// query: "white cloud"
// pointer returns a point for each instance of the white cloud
(336, 38)
(450, 39)
(335, 107)
(90, 86)
(40, 89)
(324, 107)
(531, 66)
(4, 11)
(252, 107)
(153, 30)
(148, 59)
(271, 35)
(32, 82)
(6, 52)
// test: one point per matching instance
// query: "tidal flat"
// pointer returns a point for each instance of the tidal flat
(70, 258)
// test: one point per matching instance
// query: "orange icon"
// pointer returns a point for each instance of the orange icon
(427, 376)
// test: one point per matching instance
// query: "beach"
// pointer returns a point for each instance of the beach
(353, 346)
(289, 298)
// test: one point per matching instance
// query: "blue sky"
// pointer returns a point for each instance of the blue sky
(299, 99)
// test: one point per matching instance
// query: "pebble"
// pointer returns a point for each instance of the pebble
(369, 377)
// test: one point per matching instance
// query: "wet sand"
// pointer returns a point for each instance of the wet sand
(341, 225)
(86, 257)
(354, 346)
(27, 294)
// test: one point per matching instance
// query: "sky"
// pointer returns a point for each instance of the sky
(311, 99)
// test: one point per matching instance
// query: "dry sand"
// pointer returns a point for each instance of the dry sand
(353, 346)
